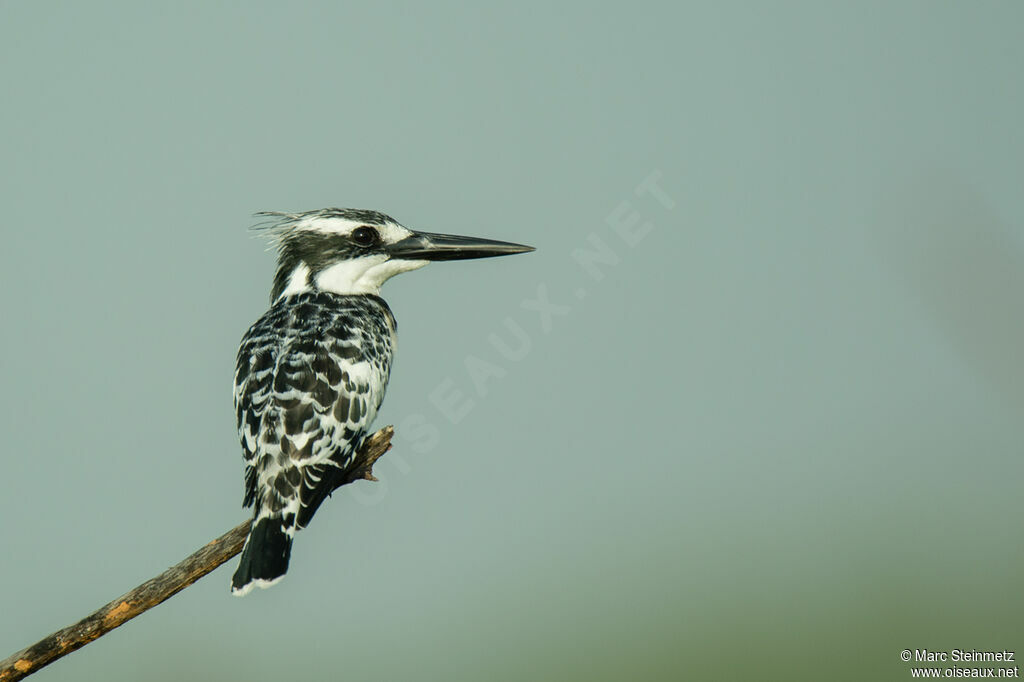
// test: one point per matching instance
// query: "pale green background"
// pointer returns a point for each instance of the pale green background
(781, 439)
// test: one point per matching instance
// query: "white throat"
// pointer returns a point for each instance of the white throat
(357, 276)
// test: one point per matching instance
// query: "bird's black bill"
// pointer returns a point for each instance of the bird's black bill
(427, 246)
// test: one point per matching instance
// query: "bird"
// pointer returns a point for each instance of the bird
(311, 373)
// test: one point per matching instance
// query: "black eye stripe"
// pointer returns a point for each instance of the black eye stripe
(365, 236)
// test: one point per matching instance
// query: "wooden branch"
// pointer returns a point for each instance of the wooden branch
(167, 584)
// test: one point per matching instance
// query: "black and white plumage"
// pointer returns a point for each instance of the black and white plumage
(312, 372)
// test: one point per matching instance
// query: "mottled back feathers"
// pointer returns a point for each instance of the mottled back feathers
(311, 374)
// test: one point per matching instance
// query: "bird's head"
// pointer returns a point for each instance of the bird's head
(354, 251)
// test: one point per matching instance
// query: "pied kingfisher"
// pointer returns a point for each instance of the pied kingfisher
(312, 372)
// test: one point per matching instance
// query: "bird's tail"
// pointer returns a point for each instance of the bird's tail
(264, 557)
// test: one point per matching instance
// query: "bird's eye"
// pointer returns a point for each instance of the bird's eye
(365, 236)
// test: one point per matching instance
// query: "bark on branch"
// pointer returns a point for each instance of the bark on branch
(167, 584)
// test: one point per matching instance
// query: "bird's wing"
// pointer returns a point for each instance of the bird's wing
(304, 403)
(345, 424)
